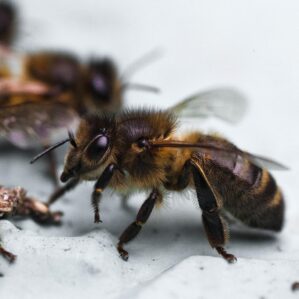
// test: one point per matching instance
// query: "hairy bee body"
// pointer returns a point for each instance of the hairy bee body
(141, 149)
(244, 189)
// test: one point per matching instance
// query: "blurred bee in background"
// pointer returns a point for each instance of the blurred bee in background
(141, 149)
(14, 202)
(92, 86)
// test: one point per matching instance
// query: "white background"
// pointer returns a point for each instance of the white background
(252, 45)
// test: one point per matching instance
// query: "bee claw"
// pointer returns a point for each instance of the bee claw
(97, 220)
(124, 256)
(230, 258)
(123, 253)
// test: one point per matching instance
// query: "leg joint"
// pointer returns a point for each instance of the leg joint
(139, 223)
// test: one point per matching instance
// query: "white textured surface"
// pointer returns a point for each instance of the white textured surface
(252, 45)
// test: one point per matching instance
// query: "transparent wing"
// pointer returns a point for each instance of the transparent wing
(31, 123)
(265, 162)
(227, 104)
(223, 153)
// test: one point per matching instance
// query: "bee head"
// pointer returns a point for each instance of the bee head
(91, 148)
(101, 81)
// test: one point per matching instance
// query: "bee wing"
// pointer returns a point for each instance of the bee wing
(227, 104)
(31, 123)
(223, 153)
(265, 162)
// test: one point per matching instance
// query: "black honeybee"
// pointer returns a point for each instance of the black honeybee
(14, 202)
(140, 149)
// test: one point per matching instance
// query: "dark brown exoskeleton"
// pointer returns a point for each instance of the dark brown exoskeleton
(139, 149)
(14, 202)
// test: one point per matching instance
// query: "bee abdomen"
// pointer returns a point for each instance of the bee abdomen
(267, 205)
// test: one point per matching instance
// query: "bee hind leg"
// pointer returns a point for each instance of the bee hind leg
(214, 224)
(134, 228)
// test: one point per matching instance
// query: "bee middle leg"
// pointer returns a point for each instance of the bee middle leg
(99, 187)
(215, 226)
(134, 228)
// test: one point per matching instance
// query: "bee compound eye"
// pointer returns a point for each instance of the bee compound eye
(143, 143)
(102, 142)
(98, 147)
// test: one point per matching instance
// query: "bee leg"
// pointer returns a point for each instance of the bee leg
(134, 228)
(62, 190)
(99, 186)
(214, 225)
(7, 255)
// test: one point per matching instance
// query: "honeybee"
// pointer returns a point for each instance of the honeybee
(14, 202)
(140, 149)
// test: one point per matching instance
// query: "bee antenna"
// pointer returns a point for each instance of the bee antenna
(51, 148)
(141, 62)
(140, 86)
(72, 139)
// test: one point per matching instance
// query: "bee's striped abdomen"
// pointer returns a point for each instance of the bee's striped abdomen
(269, 203)
(247, 191)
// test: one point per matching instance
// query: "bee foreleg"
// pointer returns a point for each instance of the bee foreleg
(62, 190)
(134, 228)
(99, 186)
(214, 225)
